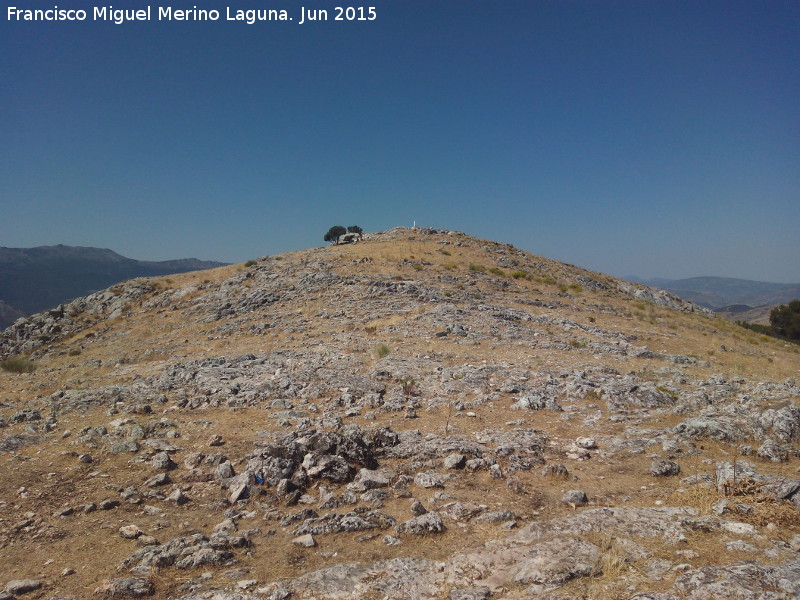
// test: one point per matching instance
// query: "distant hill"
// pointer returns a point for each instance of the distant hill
(743, 312)
(34, 279)
(720, 292)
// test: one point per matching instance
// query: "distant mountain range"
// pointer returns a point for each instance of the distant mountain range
(721, 293)
(35, 279)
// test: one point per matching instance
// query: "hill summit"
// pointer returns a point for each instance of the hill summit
(423, 414)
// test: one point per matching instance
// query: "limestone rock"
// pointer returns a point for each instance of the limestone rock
(126, 587)
(306, 541)
(575, 498)
(664, 468)
(422, 525)
(22, 586)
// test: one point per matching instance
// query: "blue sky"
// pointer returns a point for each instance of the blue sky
(648, 138)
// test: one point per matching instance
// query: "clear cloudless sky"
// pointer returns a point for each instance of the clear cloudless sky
(630, 137)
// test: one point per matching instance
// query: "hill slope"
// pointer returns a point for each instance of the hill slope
(720, 292)
(421, 415)
(34, 279)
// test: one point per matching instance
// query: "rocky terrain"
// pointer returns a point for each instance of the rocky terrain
(420, 415)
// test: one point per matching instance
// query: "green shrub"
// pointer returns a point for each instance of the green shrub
(563, 287)
(74, 352)
(519, 274)
(785, 321)
(497, 271)
(477, 268)
(409, 386)
(249, 263)
(667, 391)
(576, 287)
(445, 252)
(18, 364)
(382, 350)
(449, 266)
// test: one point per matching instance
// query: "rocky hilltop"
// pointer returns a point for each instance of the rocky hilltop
(420, 415)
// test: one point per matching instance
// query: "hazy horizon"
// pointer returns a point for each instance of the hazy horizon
(648, 139)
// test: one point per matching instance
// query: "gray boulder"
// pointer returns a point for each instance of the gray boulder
(664, 468)
(22, 586)
(126, 587)
(422, 525)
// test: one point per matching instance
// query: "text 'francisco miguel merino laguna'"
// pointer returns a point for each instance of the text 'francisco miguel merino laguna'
(167, 13)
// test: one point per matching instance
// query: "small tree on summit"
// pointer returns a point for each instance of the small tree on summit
(334, 233)
(355, 229)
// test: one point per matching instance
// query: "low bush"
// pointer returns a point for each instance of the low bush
(18, 364)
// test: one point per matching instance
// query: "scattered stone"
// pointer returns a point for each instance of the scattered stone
(496, 517)
(306, 541)
(417, 508)
(428, 480)
(664, 468)
(368, 479)
(390, 540)
(455, 461)
(422, 525)
(741, 546)
(556, 471)
(773, 451)
(163, 462)
(239, 492)
(22, 586)
(130, 532)
(586, 442)
(126, 587)
(575, 498)
(178, 497)
(158, 480)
